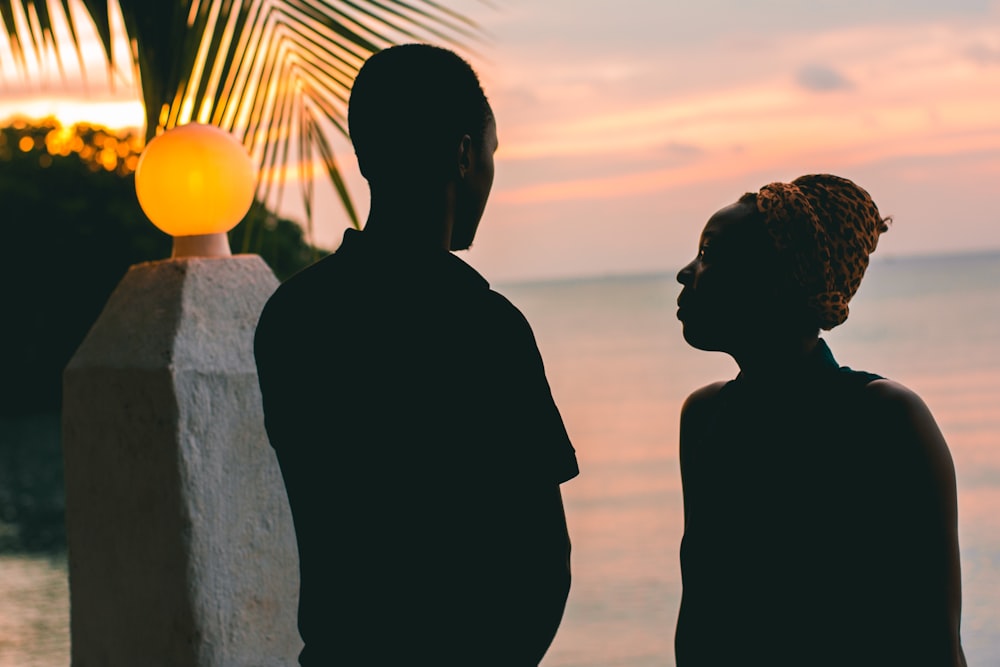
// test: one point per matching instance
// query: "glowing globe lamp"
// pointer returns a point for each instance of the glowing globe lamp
(196, 182)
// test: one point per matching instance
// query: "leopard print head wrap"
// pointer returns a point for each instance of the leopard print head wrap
(826, 226)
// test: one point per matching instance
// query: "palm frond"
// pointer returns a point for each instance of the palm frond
(277, 73)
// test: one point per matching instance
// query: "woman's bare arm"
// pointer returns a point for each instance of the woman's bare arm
(925, 472)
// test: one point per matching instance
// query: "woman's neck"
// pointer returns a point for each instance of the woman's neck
(773, 359)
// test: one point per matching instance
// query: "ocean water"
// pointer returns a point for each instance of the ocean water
(619, 371)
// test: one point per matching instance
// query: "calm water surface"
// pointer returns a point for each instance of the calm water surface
(620, 370)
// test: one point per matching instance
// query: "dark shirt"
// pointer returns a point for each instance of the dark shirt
(800, 518)
(422, 452)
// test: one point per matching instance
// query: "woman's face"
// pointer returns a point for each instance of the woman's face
(730, 287)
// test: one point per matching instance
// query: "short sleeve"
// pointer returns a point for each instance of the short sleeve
(537, 443)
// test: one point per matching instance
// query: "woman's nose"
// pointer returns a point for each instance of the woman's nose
(684, 275)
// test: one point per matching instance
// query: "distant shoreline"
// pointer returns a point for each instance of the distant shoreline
(876, 260)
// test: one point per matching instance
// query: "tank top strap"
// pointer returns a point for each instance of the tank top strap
(858, 379)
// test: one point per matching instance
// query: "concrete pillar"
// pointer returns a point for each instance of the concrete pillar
(181, 544)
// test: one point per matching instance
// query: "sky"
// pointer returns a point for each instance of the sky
(623, 126)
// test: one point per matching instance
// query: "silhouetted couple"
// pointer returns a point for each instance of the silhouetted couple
(423, 454)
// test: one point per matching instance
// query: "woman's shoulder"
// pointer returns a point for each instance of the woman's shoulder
(704, 395)
(895, 399)
(697, 413)
(905, 418)
(701, 401)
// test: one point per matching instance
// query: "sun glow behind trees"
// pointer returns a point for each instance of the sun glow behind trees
(96, 147)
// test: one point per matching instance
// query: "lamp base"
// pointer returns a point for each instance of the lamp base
(181, 543)
(202, 245)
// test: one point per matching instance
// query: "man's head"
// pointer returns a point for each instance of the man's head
(410, 107)
(419, 121)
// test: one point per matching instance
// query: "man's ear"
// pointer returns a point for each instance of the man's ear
(464, 155)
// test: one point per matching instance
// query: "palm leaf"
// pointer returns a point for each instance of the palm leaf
(277, 73)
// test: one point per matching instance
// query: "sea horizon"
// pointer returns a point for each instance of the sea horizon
(877, 258)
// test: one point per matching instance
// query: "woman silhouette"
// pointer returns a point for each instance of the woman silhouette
(820, 518)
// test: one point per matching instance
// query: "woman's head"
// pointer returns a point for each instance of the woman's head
(786, 258)
(824, 227)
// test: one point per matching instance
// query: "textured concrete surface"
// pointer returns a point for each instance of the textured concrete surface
(181, 545)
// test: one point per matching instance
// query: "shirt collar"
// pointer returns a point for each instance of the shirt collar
(431, 259)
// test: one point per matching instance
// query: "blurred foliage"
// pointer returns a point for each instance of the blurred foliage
(72, 227)
(277, 73)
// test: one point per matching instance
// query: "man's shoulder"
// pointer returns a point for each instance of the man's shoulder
(500, 303)
(499, 307)
(320, 271)
(325, 276)
(301, 294)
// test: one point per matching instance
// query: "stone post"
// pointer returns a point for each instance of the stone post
(181, 545)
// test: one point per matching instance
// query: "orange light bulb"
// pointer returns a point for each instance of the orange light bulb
(194, 181)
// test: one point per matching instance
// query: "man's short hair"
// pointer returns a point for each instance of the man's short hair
(409, 108)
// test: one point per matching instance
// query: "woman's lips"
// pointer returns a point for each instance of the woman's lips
(683, 306)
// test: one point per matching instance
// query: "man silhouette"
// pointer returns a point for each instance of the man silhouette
(408, 406)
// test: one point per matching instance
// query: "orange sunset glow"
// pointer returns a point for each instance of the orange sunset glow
(656, 125)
